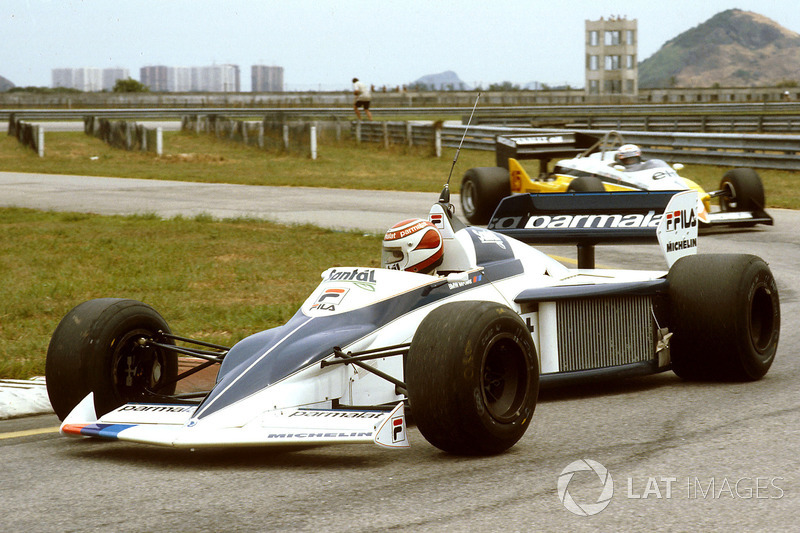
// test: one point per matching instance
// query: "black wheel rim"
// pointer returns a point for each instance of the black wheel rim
(467, 198)
(138, 367)
(729, 201)
(504, 378)
(762, 319)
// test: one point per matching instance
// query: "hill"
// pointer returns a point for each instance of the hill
(447, 80)
(5, 84)
(733, 49)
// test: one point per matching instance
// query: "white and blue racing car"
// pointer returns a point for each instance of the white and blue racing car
(460, 326)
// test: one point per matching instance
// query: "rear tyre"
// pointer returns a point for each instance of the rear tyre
(744, 190)
(482, 189)
(101, 346)
(586, 184)
(473, 378)
(725, 317)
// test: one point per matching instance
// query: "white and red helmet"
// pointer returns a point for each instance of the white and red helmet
(629, 154)
(413, 245)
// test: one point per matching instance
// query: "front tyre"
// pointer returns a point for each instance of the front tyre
(743, 190)
(473, 377)
(482, 188)
(725, 317)
(586, 184)
(102, 346)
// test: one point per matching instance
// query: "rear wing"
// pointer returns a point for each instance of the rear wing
(588, 219)
(541, 146)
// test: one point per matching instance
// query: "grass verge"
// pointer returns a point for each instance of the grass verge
(214, 280)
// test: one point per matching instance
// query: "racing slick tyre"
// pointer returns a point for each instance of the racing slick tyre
(482, 188)
(101, 346)
(724, 316)
(586, 184)
(744, 189)
(473, 377)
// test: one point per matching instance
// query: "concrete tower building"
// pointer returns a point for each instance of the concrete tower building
(611, 61)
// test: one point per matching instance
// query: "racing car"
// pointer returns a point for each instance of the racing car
(604, 164)
(461, 325)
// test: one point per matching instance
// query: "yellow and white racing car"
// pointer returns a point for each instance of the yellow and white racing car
(608, 164)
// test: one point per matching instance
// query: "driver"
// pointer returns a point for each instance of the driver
(629, 155)
(413, 245)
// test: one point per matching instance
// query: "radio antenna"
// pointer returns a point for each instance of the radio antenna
(445, 196)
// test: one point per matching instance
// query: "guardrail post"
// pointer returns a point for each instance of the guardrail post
(286, 137)
(409, 134)
(437, 141)
(386, 135)
(261, 135)
(128, 139)
(159, 141)
(40, 141)
(358, 132)
(313, 135)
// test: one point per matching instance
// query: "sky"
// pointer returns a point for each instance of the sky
(323, 44)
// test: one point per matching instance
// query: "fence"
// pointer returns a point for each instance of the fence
(757, 151)
(274, 132)
(30, 135)
(124, 134)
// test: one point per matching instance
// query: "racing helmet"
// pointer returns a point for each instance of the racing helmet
(413, 245)
(629, 154)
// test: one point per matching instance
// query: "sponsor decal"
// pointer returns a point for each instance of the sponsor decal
(661, 174)
(437, 219)
(158, 408)
(488, 237)
(398, 429)
(677, 220)
(540, 139)
(684, 244)
(329, 299)
(600, 221)
(337, 414)
(394, 235)
(363, 278)
(329, 435)
(474, 279)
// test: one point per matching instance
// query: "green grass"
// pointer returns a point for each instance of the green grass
(213, 280)
(203, 158)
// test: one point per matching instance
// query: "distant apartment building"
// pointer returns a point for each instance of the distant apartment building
(266, 79)
(111, 75)
(611, 63)
(218, 79)
(179, 79)
(212, 79)
(155, 77)
(84, 79)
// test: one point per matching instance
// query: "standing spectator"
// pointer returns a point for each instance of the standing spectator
(363, 96)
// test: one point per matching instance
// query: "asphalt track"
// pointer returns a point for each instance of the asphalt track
(681, 456)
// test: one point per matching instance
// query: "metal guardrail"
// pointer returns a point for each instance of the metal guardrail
(778, 117)
(723, 149)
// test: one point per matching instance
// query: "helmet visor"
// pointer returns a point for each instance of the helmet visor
(391, 256)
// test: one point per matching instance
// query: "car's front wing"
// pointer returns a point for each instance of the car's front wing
(173, 425)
